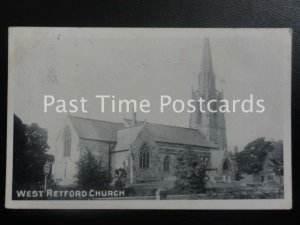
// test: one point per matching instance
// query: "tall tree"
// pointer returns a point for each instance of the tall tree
(251, 159)
(30, 154)
(190, 172)
(276, 159)
(90, 172)
(19, 153)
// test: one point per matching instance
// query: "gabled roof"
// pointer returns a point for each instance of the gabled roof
(117, 132)
(96, 129)
(174, 134)
(127, 136)
(180, 135)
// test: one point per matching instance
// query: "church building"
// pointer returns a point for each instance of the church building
(148, 151)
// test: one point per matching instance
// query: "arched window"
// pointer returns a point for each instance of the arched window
(226, 165)
(67, 141)
(144, 156)
(167, 163)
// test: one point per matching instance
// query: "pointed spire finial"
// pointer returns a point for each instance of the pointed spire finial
(206, 76)
(206, 57)
(223, 83)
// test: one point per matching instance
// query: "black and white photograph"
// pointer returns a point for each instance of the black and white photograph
(149, 118)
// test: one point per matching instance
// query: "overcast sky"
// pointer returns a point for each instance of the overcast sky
(85, 62)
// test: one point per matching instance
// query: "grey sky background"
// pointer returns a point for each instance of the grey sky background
(70, 65)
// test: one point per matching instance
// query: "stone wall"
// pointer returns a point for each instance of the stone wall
(172, 164)
(64, 168)
(122, 160)
(154, 170)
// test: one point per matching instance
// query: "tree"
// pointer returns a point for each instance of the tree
(90, 172)
(276, 159)
(190, 173)
(251, 159)
(19, 150)
(30, 154)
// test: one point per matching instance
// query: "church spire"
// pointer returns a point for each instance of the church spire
(206, 77)
(206, 65)
(211, 125)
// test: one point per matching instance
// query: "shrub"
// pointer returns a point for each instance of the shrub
(90, 172)
(190, 173)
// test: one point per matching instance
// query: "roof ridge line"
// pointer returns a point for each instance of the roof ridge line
(85, 118)
(124, 128)
(164, 125)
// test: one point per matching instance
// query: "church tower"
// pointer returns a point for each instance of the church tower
(211, 124)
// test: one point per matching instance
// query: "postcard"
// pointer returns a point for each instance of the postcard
(149, 118)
